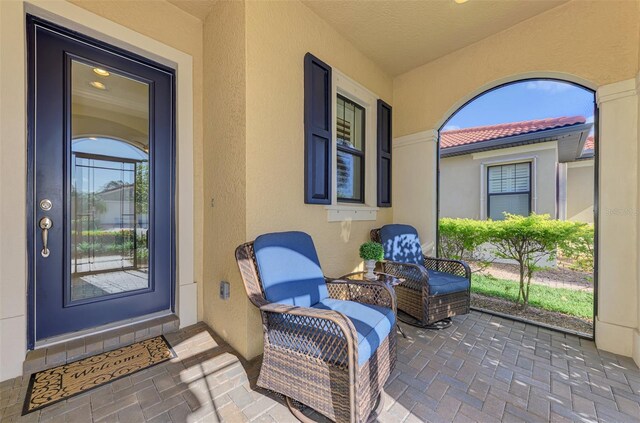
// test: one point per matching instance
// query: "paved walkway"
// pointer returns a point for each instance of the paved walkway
(99, 284)
(482, 369)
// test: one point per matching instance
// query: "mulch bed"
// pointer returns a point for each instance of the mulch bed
(552, 318)
(558, 277)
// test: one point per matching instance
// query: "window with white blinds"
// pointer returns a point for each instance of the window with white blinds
(350, 137)
(509, 190)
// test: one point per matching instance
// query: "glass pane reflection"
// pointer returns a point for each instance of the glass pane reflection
(349, 173)
(109, 183)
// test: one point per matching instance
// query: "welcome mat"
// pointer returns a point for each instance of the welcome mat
(50, 386)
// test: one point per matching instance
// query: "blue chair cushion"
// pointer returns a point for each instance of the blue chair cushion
(289, 269)
(373, 323)
(441, 283)
(402, 244)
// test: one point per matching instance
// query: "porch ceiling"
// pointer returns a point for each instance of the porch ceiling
(401, 35)
(198, 8)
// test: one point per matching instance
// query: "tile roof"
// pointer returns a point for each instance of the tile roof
(589, 143)
(458, 137)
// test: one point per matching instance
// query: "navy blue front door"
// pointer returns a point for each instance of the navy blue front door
(101, 234)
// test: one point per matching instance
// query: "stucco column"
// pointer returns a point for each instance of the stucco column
(617, 318)
(13, 147)
(415, 184)
(636, 332)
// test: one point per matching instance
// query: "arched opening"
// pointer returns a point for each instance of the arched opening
(517, 185)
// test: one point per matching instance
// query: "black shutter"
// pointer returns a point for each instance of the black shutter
(384, 154)
(317, 131)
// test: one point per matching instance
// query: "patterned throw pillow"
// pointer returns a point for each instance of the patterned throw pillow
(401, 243)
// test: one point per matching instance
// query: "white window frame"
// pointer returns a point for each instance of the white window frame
(337, 211)
(484, 168)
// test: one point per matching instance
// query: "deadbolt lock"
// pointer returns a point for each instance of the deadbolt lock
(46, 204)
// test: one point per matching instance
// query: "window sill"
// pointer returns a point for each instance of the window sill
(343, 212)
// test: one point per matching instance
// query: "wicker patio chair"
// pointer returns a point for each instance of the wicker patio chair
(328, 344)
(434, 289)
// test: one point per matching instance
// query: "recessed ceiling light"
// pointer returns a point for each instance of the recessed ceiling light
(101, 72)
(461, 1)
(98, 85)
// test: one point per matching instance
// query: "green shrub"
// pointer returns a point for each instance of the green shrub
(142, 254)
(87, 248)
(106, 243)
(526, 240)
(529, 240)
(112, 240)
(579, 247)
(371, 251)
(84, 248)
(460, 238)
(104, 237)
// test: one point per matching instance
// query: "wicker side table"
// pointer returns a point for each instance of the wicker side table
(385, 278)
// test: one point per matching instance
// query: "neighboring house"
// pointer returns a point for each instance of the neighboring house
(119, 207)
(544, 166)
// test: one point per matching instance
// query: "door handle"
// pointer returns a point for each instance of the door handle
(45, 225)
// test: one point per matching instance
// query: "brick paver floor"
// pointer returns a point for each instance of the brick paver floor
(482, 368)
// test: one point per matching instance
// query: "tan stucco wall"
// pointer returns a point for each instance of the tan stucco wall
(460, 187)
(13, 246)
(461, 183)
(605, 52)
(275, 131)
(225, 170)
(254, 144)
(580, 191)
(549, 42)
(172, 26)
(278, 36)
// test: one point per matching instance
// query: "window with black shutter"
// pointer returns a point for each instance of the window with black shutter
(337, 107)
(317, 131)
(350, 139)
(384, 154)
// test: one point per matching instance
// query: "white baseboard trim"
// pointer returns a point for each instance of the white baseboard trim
(614, 338)
(636, 347)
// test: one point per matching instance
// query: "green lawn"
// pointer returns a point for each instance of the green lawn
(568, 301)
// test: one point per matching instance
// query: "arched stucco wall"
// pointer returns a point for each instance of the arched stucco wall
(558, 76)
(594, 44)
